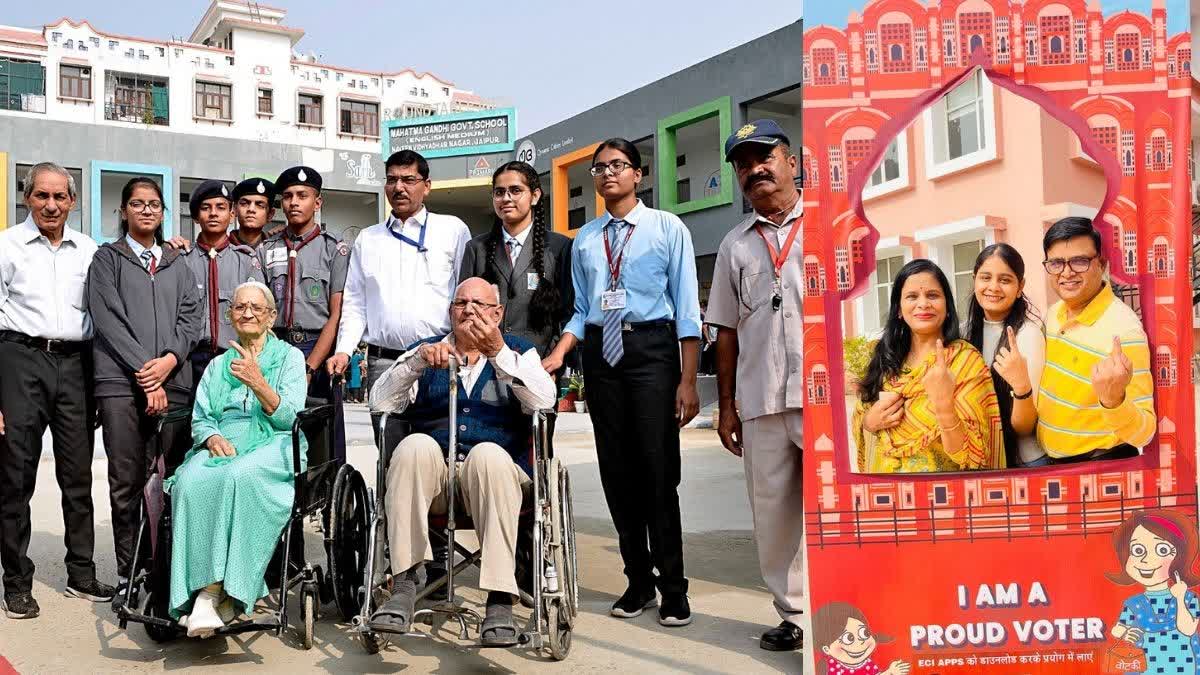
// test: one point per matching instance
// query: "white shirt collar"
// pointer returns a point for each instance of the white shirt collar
(415, 219)
(155, 250)
(34, 233)
(796, 212)
(519, 239)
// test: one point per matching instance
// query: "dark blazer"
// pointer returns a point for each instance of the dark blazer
(515, 293)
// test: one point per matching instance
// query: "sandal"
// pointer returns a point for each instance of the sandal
(498, 629)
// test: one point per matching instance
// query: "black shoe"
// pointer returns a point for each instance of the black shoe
(675, 610)
(91, 590)
(785, 637)
(433, 573)
(20, 606)
(633, 602)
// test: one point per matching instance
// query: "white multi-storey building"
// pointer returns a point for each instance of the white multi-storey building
(236, 98)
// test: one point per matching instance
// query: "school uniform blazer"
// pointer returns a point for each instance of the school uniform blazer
(513, 281)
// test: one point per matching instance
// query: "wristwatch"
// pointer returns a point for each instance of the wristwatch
(309, 370)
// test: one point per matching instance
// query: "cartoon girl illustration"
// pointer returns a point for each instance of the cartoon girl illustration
(1158, 549)
(846, 643)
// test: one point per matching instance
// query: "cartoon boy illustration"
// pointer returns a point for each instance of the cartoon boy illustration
(846, 643)
(1158, 549)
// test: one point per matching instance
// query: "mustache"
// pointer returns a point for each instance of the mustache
(759, 178)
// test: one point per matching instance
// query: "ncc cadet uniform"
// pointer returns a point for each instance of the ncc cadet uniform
(253, 186)
(218, 270)
(304, 272)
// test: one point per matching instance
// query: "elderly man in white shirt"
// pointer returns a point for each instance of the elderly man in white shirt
(502, 384)
(402, 272)
(45, 357)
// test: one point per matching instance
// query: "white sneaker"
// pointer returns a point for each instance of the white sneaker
(204, 621)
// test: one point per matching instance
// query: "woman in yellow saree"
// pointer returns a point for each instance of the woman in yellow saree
(927, 402)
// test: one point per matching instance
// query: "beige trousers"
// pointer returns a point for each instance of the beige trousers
(491, 486)
(772, 448)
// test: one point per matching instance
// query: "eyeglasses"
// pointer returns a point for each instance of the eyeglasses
(408, 181)
(514, 191)
(462, 304)
(139, 205)
(1078, 264)
(612, 168)
(258, 310)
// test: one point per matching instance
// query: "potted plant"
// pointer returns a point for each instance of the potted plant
(857, 352)
(577, 387)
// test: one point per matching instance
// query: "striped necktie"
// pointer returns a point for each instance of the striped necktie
(612, 346)
(511, 246)
(148, 261)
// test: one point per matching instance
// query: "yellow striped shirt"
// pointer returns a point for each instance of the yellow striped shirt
(1071, 420)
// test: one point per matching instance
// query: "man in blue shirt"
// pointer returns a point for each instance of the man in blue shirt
(637, 311)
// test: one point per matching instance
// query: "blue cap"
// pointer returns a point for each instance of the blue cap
(765, 132)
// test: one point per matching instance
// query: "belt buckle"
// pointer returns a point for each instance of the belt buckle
(49, 348)
(626, 326)
(296, 336)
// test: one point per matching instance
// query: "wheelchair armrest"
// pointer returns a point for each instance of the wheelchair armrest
(543, 433)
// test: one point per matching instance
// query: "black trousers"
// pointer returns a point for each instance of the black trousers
(131, 442)
(637, 446)
(40, 390)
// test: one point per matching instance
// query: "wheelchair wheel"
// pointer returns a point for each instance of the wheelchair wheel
(562, 522)
(308, 612)
(560, 630)
(348, 541)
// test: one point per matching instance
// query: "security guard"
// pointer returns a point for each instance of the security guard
(306, 270)
(219, 266)
(254, 206)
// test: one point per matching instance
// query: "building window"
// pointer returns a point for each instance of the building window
(22, 85)
(883, 500)
(266, 101)
(309, 111)
(959, 131)
(886, 270)
(941, 495)
(995, 495)
(1127, 47)
(964, 255)
(445, 91)
(75, 82)
(213, 101)
(136, 98)
(1112, 489)
(824, 58)
(359, 118)
(684, 190)
(1053, 490)
(889, 167)
(576, 218)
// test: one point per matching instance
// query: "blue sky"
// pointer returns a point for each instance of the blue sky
(551, 58)
(834, 12)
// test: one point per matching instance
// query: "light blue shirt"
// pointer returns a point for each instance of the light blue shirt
(138, 249)
(658, 272)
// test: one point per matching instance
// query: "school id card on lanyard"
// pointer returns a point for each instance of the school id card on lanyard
(614, 298)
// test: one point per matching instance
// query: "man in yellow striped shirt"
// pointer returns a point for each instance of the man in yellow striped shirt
(1096, 399)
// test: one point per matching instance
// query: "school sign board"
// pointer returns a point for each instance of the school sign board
(474, 133)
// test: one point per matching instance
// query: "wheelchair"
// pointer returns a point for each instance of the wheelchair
(314, 425)
(359, 566)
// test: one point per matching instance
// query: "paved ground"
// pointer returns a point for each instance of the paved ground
(729, 601)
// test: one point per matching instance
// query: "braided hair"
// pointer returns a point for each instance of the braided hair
(544, 305)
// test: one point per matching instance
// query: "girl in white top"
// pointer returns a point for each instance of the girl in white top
(1004, 327)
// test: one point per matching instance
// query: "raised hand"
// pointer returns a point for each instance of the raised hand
(886, 413)
(898, 667)
(486, 335)
(1011, 365)
(939, 383)
(1111, 376)
(1179, 588)
(245, 368)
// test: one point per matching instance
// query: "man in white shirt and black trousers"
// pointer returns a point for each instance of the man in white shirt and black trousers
(402, 274)
(45, 357)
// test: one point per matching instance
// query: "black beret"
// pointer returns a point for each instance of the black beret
(207, 190)
(254, 186)
(298, 175)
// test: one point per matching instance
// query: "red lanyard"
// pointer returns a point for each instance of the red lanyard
(614, 269)
(214, 298)
(778, 258)
(291, 287)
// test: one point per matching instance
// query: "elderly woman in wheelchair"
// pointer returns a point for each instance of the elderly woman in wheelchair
(234, 492)
(502, 384)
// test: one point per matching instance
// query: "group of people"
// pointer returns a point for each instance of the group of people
(1005, 388)
(246, 328)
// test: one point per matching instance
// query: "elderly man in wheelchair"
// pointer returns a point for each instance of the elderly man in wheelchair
(501, 383)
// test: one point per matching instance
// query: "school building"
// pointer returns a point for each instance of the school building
(235, 99)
